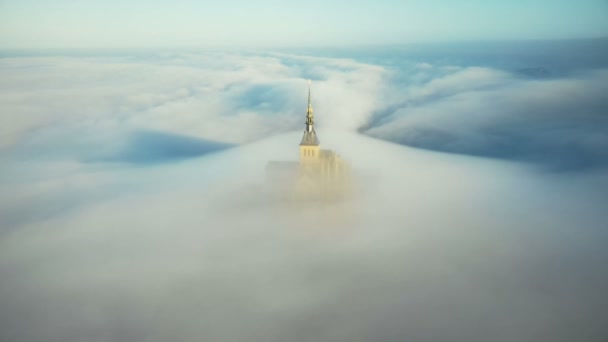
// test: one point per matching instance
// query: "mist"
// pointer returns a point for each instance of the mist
(134, 204)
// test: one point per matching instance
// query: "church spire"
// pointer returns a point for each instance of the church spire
(310, 136)
(309, 113)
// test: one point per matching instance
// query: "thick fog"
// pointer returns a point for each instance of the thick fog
(134, 205)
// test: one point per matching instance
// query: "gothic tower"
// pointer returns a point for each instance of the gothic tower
(320, 174)
(309, 146)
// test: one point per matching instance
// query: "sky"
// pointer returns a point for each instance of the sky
(276, 23)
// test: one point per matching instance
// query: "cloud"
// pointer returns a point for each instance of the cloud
(196, 254)
(133, 202)
(557, 123)
(217, 96)
(71, 115)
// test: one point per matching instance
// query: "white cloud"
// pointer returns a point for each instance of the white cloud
(95, 245)
(192, 94)
(478, 111)
(197, 253)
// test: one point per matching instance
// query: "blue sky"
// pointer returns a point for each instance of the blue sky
(161, 23)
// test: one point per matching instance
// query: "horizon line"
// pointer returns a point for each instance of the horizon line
(303, 47)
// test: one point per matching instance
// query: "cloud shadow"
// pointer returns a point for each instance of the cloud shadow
(151, 147)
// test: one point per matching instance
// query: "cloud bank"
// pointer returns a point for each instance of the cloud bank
(559, 123)
(133, 200)
(197, 253)
(542, 107)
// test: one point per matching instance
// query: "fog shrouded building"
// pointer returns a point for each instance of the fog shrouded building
(320, 173)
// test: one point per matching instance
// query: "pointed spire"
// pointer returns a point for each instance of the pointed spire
(310, 136)
(309, 84)
(309, 112)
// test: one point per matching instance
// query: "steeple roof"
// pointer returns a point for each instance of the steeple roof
(310, 139)
(310, 136)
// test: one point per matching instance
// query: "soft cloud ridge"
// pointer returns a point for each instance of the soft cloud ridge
(133, 203)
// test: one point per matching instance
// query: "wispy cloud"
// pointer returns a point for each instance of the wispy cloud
(557, 122)
(217, 96)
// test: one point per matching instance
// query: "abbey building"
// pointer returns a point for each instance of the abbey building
(319, 174)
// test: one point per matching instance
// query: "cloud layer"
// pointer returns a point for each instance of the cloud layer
(551, 114)
(199, 253)
(560, 123)
(133, 203)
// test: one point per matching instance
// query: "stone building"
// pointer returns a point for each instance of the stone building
(319, 174)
